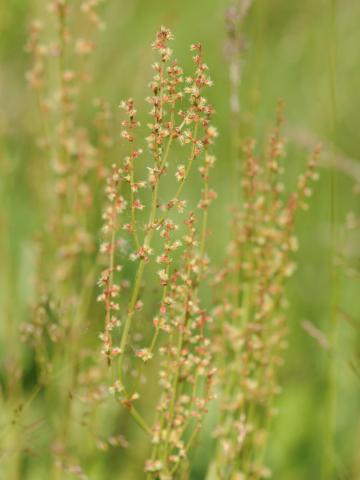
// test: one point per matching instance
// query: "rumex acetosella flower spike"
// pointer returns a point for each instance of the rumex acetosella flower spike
(171, 236)
(252, 303)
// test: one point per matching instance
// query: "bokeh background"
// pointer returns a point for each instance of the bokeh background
(305, 52)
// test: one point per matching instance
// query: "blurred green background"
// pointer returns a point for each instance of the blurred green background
(294, 50)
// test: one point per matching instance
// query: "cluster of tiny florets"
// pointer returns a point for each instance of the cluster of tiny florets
(179, 113)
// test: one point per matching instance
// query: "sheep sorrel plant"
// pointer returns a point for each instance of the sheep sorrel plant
(171, 241)
(250, 316)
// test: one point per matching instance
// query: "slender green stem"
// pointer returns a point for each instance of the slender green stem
(189, 165)
(133, 216)
(139, 419)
